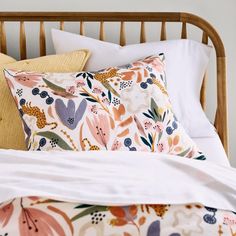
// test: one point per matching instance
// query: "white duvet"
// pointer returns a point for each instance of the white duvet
(116, 178)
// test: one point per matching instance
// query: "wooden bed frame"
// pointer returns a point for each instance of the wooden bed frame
(208, 32)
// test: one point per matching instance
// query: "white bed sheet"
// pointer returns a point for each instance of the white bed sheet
(213, 149)
(135, 179)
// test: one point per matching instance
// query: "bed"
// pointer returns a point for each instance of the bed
(36, 208)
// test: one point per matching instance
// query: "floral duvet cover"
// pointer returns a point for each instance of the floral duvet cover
(40, 216)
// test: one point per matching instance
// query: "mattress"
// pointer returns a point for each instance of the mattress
(213, 149)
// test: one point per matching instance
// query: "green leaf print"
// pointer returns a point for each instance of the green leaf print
(201, 158)
(109, 95)
(89, 211)
(146, 142)
(154, 109)
(52, 136)
(83, 206)
(53, 86)
(89, 83)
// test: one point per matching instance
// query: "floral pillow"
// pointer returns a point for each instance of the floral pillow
(119, 108)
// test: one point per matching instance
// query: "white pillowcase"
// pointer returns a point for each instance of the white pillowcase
(186, 63)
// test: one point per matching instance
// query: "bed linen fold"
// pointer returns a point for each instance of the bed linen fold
(116, 178)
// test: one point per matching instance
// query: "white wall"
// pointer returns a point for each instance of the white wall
(221, 13)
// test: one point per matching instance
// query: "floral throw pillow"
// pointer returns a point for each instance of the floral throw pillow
(119, 108)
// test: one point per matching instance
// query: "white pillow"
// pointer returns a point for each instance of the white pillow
(186, 63)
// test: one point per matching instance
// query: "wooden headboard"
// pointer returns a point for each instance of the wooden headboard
(208, 33)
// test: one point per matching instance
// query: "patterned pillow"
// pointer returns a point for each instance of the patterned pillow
(119, 108)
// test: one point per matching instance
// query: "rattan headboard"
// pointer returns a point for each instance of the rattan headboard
(208, 32)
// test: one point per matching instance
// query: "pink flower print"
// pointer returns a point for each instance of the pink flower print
(156, 63)
(70, 89)
(80, 83)
(35, 222)
(97, 90)
(158, 127)
(148, 124)
(137, 63)
(6, 213)
(34, 198)
(161, 147)
(93, 109)
(106, 101)
(28, 79)
(100, 128)
(116, 145)
(190, 154)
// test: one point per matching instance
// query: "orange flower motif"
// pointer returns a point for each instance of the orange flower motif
(127, 75)
(118, 222)
(117, 211)
(123, 215)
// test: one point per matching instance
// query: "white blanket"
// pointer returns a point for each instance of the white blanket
(116, 178)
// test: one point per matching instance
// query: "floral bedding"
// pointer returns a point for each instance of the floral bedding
(43, 217)
(114, 194)
(111, 193)
(120, 108)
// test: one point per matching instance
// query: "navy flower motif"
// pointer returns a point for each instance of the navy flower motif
(170, 130)
(144, 85)
(128, 143)
(67, 113)
(208, 218)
